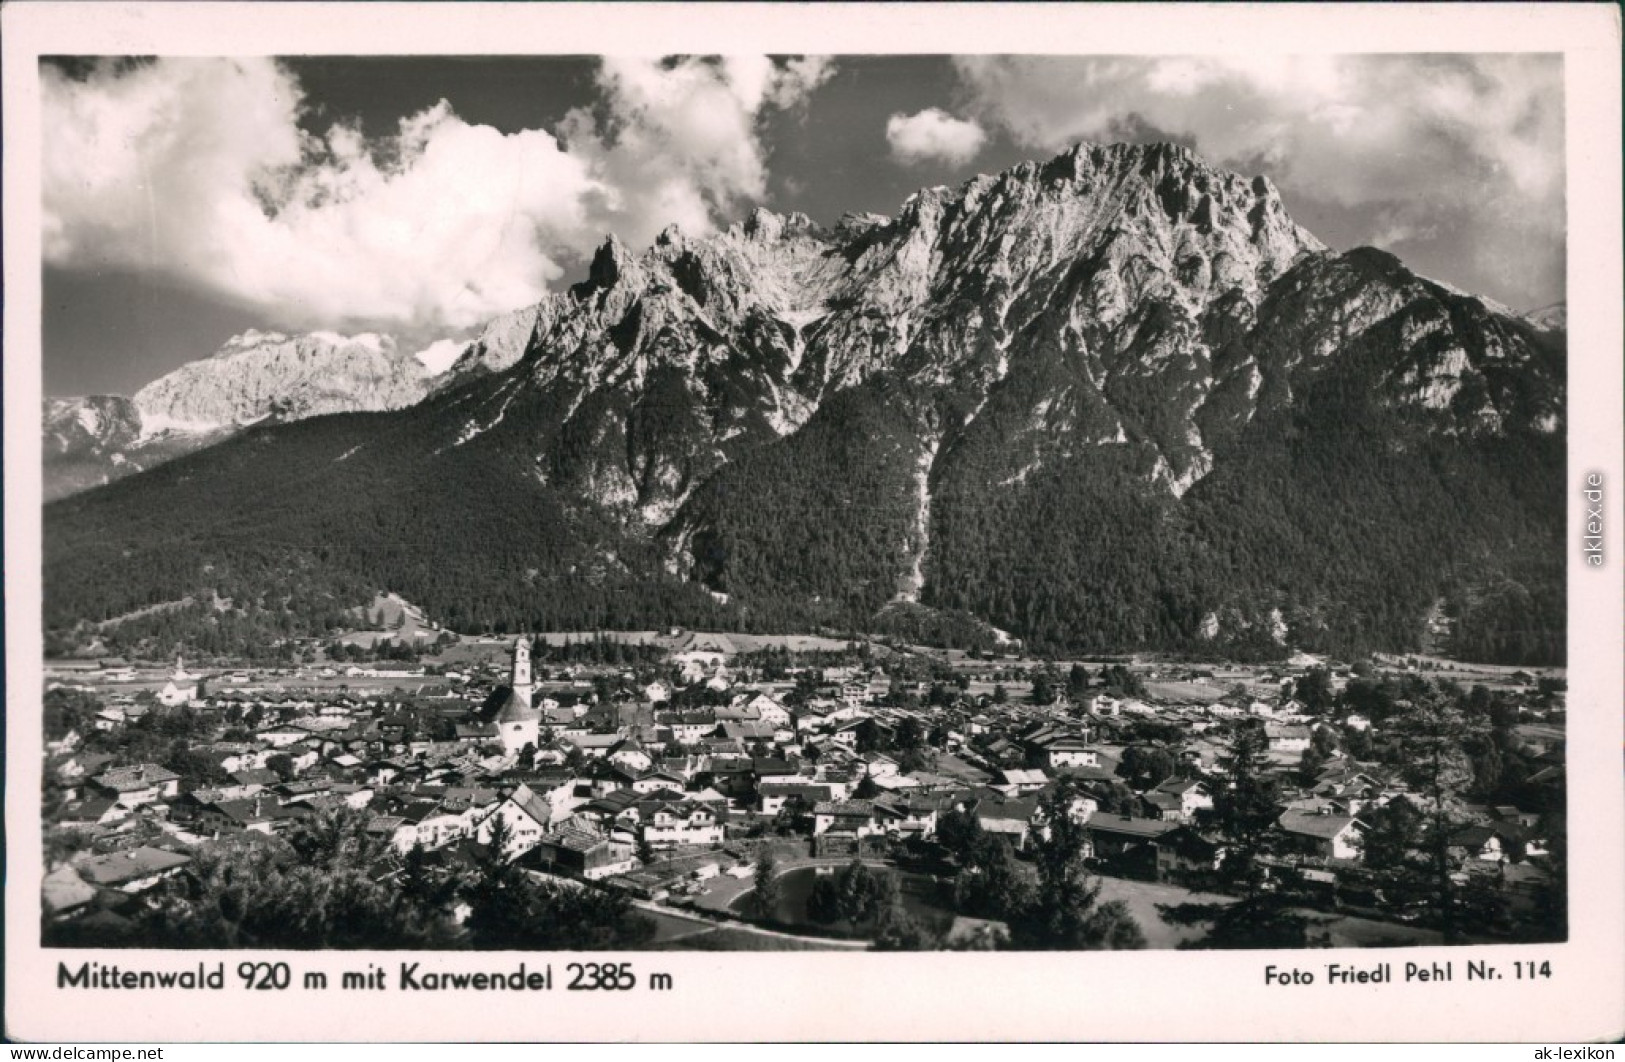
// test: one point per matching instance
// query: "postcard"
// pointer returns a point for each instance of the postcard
(814, 522)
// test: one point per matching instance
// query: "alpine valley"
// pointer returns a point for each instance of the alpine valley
(1117, 401)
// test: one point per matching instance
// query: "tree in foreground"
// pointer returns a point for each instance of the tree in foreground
(957, 831)
(1393, 833)
(1551, 921)
(854, 894)
(1262, 920)
(897, 930)
(327, 886)
(1064, 912)
(768, 888)
(511, 909)
(991, 884)
(1432, 734)
(1245, 808)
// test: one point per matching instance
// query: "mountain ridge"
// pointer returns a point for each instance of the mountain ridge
(792, 424)
(253, 376)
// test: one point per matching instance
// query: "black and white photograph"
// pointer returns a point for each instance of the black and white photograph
(654, 501)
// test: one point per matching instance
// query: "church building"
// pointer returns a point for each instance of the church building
(518, 720)
(181, 689)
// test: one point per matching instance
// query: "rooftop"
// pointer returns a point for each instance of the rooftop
(1130, 827)
(119, 868)
(139, 776)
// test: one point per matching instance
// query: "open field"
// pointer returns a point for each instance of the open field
(1201, 692)
(400, 619)
(1464, 671)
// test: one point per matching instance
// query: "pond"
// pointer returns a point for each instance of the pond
(923, 897)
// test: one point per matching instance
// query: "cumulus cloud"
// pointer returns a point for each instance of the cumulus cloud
(1423, 144)
(933, 135)
(680, 145)
(198, 169)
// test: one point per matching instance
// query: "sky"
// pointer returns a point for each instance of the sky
(188, 200)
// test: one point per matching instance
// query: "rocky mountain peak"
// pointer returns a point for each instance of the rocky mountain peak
(766, 226)
(609, 262)
(856, 224)
(259, 374)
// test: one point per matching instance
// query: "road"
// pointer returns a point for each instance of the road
(705, 925)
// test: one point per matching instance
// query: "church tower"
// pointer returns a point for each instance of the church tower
(518, 722)
(521, 682)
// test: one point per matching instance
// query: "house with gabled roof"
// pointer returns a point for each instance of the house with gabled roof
(1496, 840)
(775, 794)
(95, 811)
(1010, 818)
(287, 792)
(1321, 832)
(619, 805)
(132, 870)
(768, 710)
(630, 754)
(259, 813)
(1287, 738)
(1186, 850)
(1112, 836)
(690, 726)
(914, 815)
(577, 848)
(234, 756)
(771, 768)
(659, 779)
(666, 824)
(1055, 751)
(592, 745)
(878, 764)
(605, 777)
(855, 817)
(394, 829)
(1019, 781)
(441, 825)
(528, 816)
(64, 894)
(79, 764)
(1155, 805)
(1180, 798)
(737, 710)
(845, 734)
(143, 783)
(474, 733)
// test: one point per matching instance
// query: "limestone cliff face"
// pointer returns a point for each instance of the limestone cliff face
(1117, 296)
(1117, 264)
(263, 374)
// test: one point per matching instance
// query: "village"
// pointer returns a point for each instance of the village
(669, 766)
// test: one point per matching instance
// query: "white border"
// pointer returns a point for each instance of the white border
(1158, 995)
